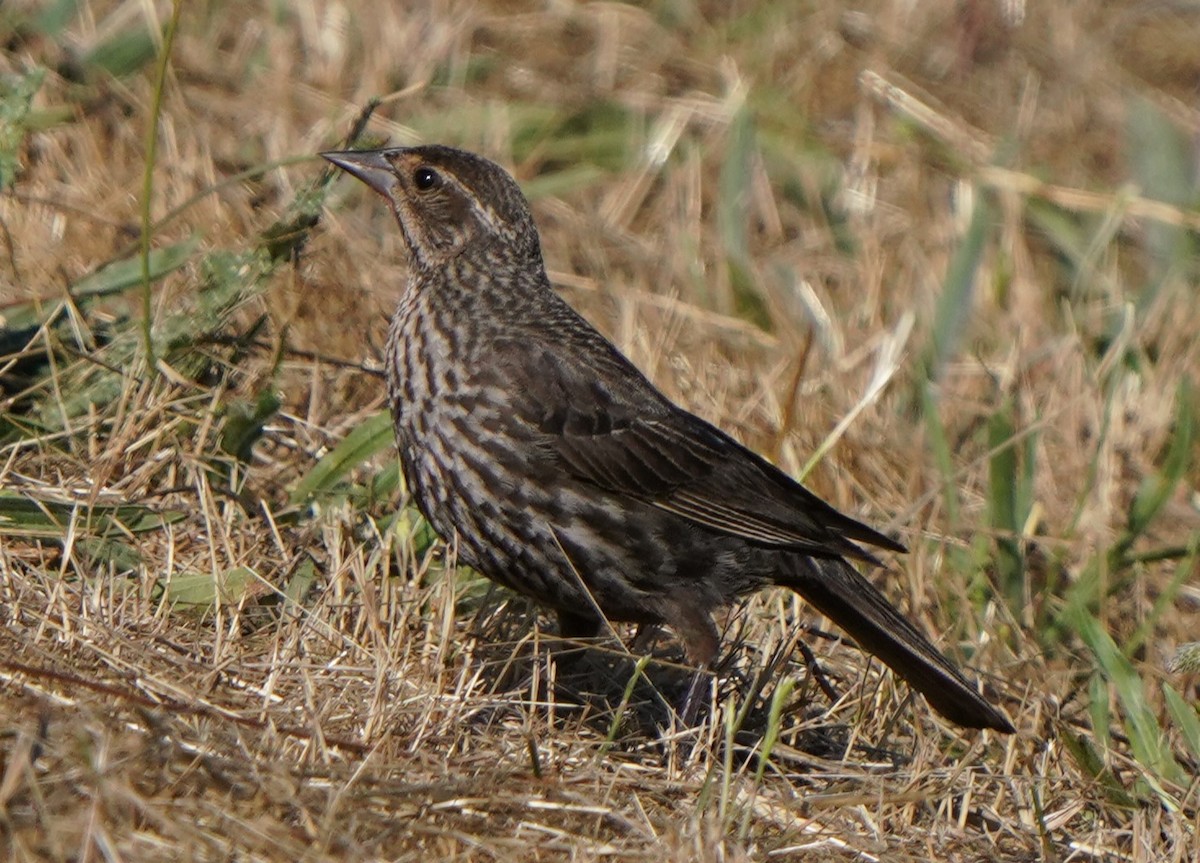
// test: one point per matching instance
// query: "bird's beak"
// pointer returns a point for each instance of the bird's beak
(370, 166)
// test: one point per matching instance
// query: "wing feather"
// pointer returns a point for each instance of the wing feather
(609, 427)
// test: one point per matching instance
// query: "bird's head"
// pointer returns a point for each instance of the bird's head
(446, 200)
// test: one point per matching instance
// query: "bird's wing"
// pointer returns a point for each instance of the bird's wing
(600, 421)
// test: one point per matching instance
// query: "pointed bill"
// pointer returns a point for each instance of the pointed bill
(370, 166)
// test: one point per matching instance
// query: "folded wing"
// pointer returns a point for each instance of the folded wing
(616, 432)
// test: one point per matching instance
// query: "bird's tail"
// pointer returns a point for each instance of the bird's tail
(843, 595)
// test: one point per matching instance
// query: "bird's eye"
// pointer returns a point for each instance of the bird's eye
(425, 178)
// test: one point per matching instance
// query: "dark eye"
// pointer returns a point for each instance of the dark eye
(425, 178)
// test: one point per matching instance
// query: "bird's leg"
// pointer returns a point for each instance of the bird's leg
(700, 640)
(816, 672)
(573, 626)
(643, 637)
(691, 701)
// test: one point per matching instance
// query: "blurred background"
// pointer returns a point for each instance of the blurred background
(937, 259)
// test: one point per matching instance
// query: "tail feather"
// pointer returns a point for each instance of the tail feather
(844, 596)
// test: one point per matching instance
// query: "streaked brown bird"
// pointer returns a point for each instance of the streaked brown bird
(559, 470)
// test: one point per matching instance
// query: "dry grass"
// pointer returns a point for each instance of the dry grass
(770, 210)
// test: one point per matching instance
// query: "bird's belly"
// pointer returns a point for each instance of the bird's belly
(522, 524)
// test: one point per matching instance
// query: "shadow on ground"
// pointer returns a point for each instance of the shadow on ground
(642, 695)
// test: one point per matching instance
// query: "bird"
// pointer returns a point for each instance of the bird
(534, 447)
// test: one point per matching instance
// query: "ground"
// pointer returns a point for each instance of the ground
(939, 260)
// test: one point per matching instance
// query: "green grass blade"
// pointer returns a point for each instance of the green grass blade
(958, 292)
(1091, 763)
(244, 422)
(734, 185)
(1145, 735)
(16, 98)
(1157, 488)
(24, 516)
(1164, 164)
(160, 84)
(367, 440)
(202, 590)
(1005, 508)
(1185, 716)
(123, 54)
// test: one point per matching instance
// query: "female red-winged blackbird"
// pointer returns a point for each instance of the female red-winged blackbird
(562, 473)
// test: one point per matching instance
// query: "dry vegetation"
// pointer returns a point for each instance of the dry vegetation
(969, 227)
